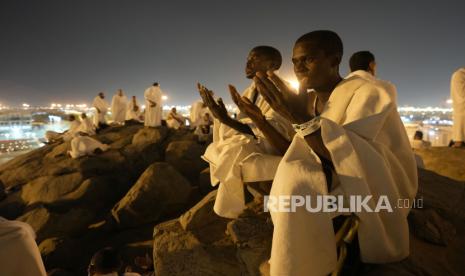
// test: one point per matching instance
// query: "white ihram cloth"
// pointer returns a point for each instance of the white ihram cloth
(386, 85)
(74, 127)
(132, 114)
(457, 93)
(370, 150)
(195, 113)
(171, 121)
(102, 106)
(85, 145)
(153, 114)
(119, 108)
(230, 149)
(19, 254)
(86, 126)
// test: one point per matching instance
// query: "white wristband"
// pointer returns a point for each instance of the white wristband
(307, 128)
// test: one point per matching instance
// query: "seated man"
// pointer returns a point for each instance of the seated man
(352, 128)
(19, 254)
(235, 140)
(175, 120)
(134, 111)
(204, 128)
(53, 136)
(83, 145)
(86, 125)
(418, 142)
(107, 262)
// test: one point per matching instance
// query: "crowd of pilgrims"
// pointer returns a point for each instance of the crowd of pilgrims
(332, 136)
(123, 111)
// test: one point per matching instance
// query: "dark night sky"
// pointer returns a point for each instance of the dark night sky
(67, 51)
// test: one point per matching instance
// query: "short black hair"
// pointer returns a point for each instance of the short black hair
(361, 61)
(155, 84)
(418, 135)
(271, 53)
(106, 260)
(327, 41)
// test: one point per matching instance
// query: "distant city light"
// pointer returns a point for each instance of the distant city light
(164, 97)
(449, 101)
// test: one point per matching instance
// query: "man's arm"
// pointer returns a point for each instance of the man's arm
(220, 112)
(278, 141)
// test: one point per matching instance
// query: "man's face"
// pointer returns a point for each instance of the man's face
(102, 95)
(120, 92)
(312, 67)
(257, 62)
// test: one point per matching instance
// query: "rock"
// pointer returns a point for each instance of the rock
(48, 189)
(201, 219)
(429, 226)
(185, 157)
(442, 194)
(149, 135)
(178, 252)
(444, 161)
(205, 185)
(160, 191)
(47, 224)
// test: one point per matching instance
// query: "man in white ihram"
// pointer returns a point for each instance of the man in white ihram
(353, 126)
(153, 105)
(101, 109)
(457, 91)
(119, 107)
(133, 112)
(363, 64)
(237, 142)
(75, 125)
(19, 254)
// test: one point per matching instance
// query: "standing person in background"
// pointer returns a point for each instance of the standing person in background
(457, 93)
(119, 107)
(153, 105)
(101, 107)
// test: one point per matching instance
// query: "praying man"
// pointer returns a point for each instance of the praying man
(352, 127)
(133, 112)
(235, 141)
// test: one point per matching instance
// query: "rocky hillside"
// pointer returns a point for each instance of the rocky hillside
(201, 243)
(77, 206)
(150, 193)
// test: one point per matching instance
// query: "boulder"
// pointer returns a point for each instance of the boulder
(185, 157)
(160, 191)
(47, 189)
(178, 252)
(47, 224)
(444, 161)
(149, 135)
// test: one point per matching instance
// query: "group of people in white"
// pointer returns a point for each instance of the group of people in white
(123, 110)
(332, 136)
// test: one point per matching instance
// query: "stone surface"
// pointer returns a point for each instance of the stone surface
(445, 161)
(160, 191)
(185, 157)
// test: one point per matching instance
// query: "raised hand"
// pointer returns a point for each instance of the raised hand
(246, 106)
(218, 109)
(282, 98)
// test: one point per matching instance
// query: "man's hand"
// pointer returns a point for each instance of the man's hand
(282, 98)
(246, 106)
(98, 110)
(218, 109)
(152, 104)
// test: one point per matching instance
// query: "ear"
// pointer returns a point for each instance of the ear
(336, 60)
(372, 67)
